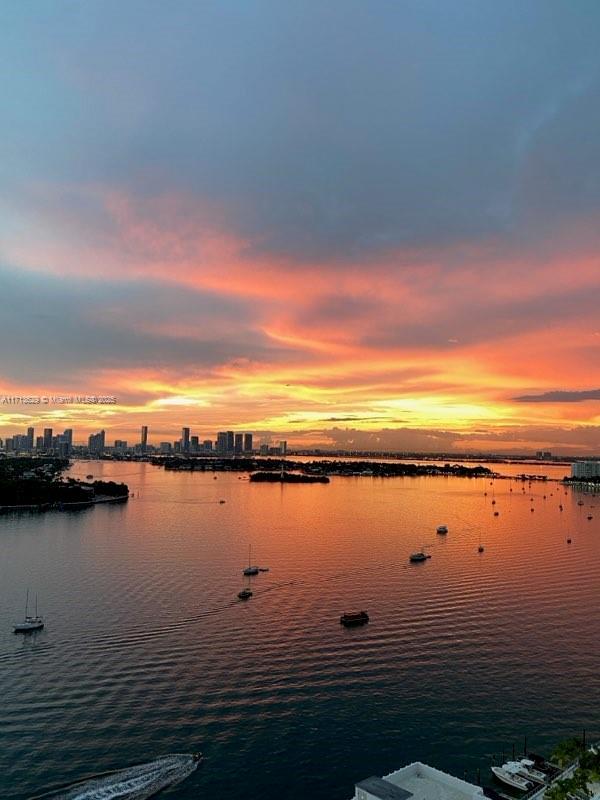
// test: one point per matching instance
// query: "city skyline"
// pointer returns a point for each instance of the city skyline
(400, 251)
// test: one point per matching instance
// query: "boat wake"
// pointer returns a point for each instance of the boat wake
(133, 783)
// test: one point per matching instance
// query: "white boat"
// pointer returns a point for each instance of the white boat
(251, 569)
(442, 529)
(528, 767)
(511, 778)
(34, 623)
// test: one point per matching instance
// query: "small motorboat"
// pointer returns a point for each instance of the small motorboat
(480, 549)
(442, 529)
(353, 618)
(417, 557)
(30, 623)
(511, 779)
(529, 770)
(590, 516)
(89, 477)
(221, 501)
(496, 513)
(245, 594)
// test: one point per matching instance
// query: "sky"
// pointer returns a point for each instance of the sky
(361, 225)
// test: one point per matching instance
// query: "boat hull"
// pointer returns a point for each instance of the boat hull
(514, 781)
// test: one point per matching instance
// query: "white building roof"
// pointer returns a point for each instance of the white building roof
(424, 783)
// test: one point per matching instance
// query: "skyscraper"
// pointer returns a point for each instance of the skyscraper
(47, 438)
(96, 443)
(230, 442)
(221, 442)
(185, 440)
(194, 446)
(30, 434)
(144, 442)
(238, 443)
(247, 442)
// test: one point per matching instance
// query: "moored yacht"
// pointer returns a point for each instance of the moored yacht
(420, 556)
(251, 569)
(29, 624)
(442, 529)
(511, 778)
(352, 618)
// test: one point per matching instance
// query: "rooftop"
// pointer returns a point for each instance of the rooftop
(420, 781)
(382, 789)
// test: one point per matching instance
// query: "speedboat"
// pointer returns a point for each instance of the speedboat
(420, 556)
(352, 618)
(245, 594)
(511, 778)
(30, 623)
(442, 529)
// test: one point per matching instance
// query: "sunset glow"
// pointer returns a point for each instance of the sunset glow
(349, 270)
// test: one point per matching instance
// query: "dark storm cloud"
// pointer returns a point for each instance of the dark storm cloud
(329, 130)
(56, 329)
(560, 396)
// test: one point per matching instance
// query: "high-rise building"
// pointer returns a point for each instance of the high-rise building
(238, 443)
(47, 438)
(247, 442)
(66, 441)
(221, 442)
(194, 446)
(585, 469)
(185, 440)
(165, 447)
(230, 442)
(96, 443)
(8, 444)
(30, 436)
(39, 443)
(144, 440)
(207, 445)
(120, 445)
(283, 448)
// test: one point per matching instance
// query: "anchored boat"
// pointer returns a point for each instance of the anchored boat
(251, 569)
(420, 556)
(353, 618)
(29, 624)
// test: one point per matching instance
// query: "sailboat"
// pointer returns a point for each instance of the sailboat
(251, 569)
(34, 623)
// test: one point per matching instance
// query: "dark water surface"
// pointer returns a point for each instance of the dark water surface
(147, 651)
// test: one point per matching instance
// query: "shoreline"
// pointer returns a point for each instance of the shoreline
(59, 506)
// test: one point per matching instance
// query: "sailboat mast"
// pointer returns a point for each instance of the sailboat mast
(26, 603)
(36, 604)
(249, 555)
